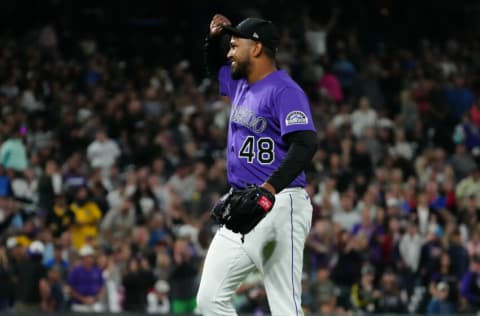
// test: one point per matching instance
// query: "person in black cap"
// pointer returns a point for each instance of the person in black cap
(271, 140)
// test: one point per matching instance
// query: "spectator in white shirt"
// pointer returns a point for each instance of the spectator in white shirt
(402, 148)
(363, 117)
(157, 300)
(346, 217)
(410, 247)
(102, 152)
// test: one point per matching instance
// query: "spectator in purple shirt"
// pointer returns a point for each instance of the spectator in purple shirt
(470, 285)
(86, 283)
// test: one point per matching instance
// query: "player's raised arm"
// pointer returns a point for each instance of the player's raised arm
(215, 55)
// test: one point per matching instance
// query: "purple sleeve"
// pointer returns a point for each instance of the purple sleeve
(72, 280)
(226, 83)
(465, 288)
(293, 111)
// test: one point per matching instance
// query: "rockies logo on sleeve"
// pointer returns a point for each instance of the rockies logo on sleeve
(296, 118)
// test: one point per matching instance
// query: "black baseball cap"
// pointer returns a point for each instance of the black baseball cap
(256, 29)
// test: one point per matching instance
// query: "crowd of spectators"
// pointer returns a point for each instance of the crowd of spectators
(108, 169)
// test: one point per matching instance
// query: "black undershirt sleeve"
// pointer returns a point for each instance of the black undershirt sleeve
(302, 147)
(214, 54)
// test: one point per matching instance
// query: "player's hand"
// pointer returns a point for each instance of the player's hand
(89, 300)
(217, 24)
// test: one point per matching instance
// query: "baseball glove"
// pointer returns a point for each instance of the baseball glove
(241, 210)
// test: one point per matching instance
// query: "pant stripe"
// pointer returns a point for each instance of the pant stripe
(291, 238)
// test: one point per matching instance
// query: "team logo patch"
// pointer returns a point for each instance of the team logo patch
(296, 117)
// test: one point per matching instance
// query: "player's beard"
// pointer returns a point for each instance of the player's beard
(240, 70)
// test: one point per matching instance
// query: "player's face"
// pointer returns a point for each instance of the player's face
(239, 56)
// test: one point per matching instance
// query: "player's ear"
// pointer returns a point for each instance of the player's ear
(256, 49)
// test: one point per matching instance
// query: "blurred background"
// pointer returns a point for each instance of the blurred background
(112, 145)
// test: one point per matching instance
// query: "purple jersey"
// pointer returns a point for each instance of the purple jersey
(86, 282)
(262, 113)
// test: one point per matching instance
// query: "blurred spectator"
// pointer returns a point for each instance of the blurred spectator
(183, 289)
(392, 298)
(5, 183)
(322, 289)
(87, 215)
(361, 165)
(320, 245)
(61, 218)
(6, 279)
(74, 175)
(110, 261)
(402, 148)
(458, 256)
(86, 283)
(144, 201)
(462, 162)
(201, 201)
(51, 291)
(430, 256)
(136, 283)
(102, 152)
(30, 272)
(469, 287)
(446, 276)
(159, 231)
(469, 186)
(460, 98)
(139, 241)
(118, 224)
(345, 71)
(316, 33)
(124, 190)
(347, 269)
(330, 85)
(363, 117)
(58, 262)
(157, 299)
(375, 148)
(49, 186)
(182, 181)
(440, 304)
(410, 248)
(473, 245)
(346, 217)
(364, 294)
(328, 196)
(13, 154)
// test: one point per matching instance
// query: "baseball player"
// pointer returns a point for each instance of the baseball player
(271, 138)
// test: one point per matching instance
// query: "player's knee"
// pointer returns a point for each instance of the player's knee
(204, 300)
(208, 304)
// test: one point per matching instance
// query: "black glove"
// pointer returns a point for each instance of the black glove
(241, 210)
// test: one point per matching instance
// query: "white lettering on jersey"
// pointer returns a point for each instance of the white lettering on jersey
(249, 119)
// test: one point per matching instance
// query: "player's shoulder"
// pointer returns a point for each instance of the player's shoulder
(286, 85)
(282, 81)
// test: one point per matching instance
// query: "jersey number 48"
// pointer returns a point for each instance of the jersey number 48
(262, 150)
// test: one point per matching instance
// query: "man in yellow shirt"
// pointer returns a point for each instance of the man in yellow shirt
(87, 216)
